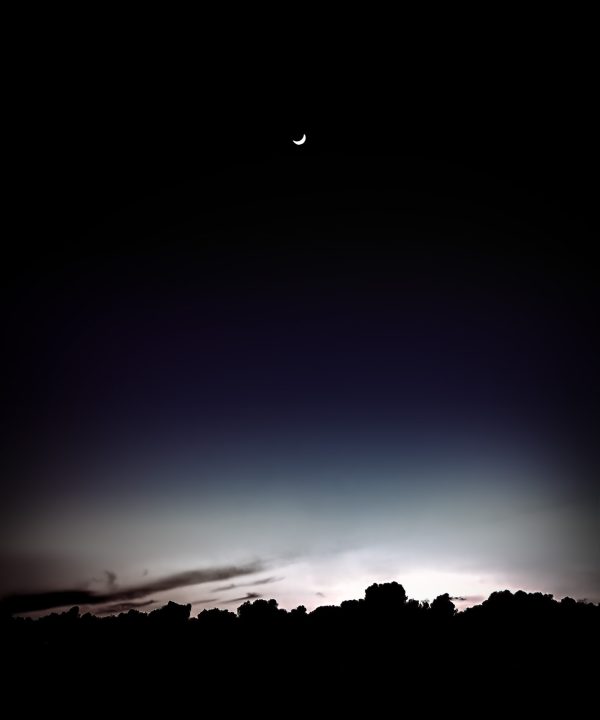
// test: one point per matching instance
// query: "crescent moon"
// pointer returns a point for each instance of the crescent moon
(301, 141)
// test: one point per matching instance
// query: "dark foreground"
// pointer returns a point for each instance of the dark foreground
(513, 648)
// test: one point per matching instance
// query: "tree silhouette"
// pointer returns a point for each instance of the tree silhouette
(443, 607)
(385, 597)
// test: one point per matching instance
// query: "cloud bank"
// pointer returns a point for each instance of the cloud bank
(31, 602)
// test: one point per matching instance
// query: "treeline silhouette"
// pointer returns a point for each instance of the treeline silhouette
(384, 612)
(383, 639)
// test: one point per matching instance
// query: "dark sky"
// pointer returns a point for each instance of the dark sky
(371, 357)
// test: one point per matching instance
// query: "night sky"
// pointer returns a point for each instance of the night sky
(233, 367)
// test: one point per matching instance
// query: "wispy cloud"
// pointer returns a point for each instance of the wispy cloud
(263, 581)
(247, 596)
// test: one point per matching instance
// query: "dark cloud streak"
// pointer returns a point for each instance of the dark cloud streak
(232, 586)
(123, 607)
(247, 596)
